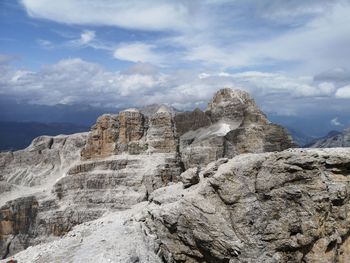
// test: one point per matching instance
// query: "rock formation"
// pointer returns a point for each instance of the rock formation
(169, 181)
(290, 206)
(231, 125)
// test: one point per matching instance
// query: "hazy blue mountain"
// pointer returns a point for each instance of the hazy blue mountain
(299, 137)
(18, 135)
(312, 125)
(85, 115)
(332, 139)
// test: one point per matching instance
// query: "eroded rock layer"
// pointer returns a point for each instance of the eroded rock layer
(126, 159)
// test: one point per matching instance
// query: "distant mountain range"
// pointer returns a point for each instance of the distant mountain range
(333, 139)
(21, 122)
(18, 135)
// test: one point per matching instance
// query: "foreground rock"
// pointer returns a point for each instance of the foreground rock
(290, 206)
(128, 158)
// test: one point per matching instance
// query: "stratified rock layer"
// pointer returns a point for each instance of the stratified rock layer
(231, 125)
(286, 207)
(127, 158)
(291, 206)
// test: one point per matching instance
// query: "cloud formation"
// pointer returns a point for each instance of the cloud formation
(133, 14)
(74, 80)
(306, 37)
(336, 122)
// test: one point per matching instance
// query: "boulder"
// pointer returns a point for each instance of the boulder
(190, 177)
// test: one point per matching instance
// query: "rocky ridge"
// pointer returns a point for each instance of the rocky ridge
(128, 159)
(331, 141)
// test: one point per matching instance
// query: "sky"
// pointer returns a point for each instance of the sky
(292, 55)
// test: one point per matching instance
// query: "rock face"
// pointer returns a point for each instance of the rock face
(17, 219)
(47, 158)
(337, 140)
(131, 158)
(291, 206)
(231, 125)
(161, 136)
(102, 138)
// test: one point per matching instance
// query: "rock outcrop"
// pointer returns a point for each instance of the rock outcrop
(128, 159)
(46, 159)
(291, 206)
(231, 125)
(102, 138)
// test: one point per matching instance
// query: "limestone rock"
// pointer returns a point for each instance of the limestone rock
(290, 206)
(191, 121)
(17, 219)
(44, 160)
(161, 136)
(131, 128)
(235, 125)
(190, 177)
(102, 138)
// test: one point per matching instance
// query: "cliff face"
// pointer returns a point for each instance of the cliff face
(291, 206)
(129, 159)
(231, 125)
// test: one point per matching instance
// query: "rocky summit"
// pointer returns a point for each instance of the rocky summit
(155, 185)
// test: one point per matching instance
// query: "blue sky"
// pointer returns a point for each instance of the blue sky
(293, 56)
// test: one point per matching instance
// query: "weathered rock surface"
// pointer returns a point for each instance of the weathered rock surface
(161, 136)
(190, 177)
(44, 160)
(338, 140)
(102, 138)
(131, 158)
(191, 121)
(291, 206)
(17, 219)
(231, 125)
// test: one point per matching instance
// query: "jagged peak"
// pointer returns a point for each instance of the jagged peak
(163, 108)
(131, 110)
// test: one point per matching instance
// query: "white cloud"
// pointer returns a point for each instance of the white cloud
(310, 35)
(335, 122)
(78, 81)
(138, 52)
(343, 93)
(45, 43)
(87, 36)
(145, 15)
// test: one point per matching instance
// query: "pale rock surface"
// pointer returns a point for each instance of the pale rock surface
(190, 177)
(45, 159)
(269, 207)
(231, 125)
(290, 206)
(161, 135)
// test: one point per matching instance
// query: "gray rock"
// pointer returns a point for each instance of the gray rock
(273, 207)
(235, 125)
(190, 177)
